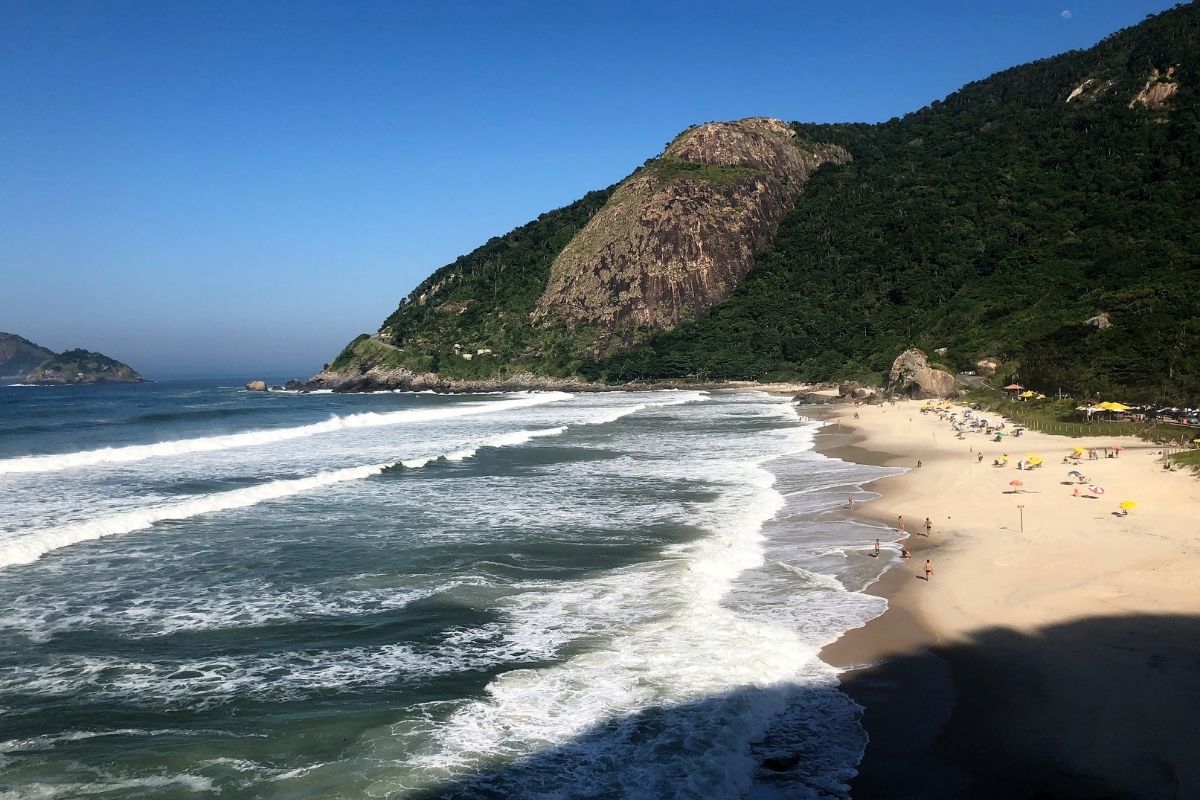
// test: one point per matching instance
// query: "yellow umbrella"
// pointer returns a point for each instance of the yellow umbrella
(1028, 393)
(1077, 450)
(1036, 460)
(1117, 407)
(1128, 504)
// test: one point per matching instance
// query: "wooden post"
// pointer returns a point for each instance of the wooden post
(1021, 510)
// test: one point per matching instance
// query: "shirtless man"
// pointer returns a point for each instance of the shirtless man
(928, 569)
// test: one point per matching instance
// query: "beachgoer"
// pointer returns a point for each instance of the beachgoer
(849, 502)
(928, 569)
(1077, 491)
(900, 522)
(918, 463)
(980, 460)
(904, 553)
(928, 526)
(876, 547)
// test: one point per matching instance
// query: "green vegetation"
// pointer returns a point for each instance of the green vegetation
(993, 223)
(1187, 458)
(482, 302)
(1059, 416)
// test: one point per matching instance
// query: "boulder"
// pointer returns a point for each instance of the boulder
(912, 375)
(256, 386)
(987, 366)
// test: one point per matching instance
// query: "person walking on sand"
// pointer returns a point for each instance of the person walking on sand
(1077, 492)
(928, 569)
(877, 548)
(850, 503)
(900, 523)
(928, 526)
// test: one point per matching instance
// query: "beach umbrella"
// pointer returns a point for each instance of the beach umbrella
(1015, 483)
(1127, 504)
(1094, 489)
(1032, 456)
(1077, 450)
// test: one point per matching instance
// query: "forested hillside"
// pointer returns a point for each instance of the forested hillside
(993, 223)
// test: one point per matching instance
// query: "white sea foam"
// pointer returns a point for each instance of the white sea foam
(107, 785)
(51, 741)
(674, 642)
(28, 547)
(167, 608)
(207, 444)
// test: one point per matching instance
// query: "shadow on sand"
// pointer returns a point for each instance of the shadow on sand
(1099, 708)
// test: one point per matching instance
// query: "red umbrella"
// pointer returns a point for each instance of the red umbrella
(1015, 483)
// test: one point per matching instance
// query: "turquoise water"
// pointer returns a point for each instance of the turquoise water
(205, 591)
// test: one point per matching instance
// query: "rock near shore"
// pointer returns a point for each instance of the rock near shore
(912, 375)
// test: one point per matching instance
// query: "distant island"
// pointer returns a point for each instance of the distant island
(24, 361)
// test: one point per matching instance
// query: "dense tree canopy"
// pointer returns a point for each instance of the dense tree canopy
(994, 223)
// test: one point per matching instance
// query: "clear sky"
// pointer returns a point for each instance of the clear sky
(238, 188)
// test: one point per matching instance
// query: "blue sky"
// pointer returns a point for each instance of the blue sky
(221, 188)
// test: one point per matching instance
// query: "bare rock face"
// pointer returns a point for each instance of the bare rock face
(1160, 87)
(256, 386)
(987, 366)
(1090, 89)
(912, 375)
(677, 236)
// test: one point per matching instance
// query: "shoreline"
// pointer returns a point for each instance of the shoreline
(970, 684)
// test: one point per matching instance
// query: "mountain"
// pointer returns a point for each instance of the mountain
(1046, 217)
(83, 366)
(19, 355)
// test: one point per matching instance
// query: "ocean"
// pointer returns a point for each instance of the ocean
(210, 592)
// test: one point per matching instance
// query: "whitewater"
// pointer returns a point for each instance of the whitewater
(209, 591)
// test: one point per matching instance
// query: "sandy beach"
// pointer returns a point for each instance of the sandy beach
(1055, 650)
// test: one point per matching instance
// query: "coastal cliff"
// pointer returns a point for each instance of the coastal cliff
(677, 236)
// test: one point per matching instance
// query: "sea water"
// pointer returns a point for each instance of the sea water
(206, 591)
